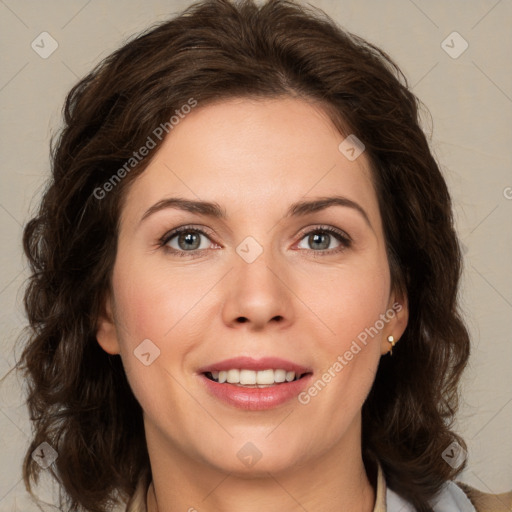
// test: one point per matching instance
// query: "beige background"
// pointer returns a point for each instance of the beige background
(470, 98)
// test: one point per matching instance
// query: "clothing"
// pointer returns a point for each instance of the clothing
(453, 497)
(450, 499)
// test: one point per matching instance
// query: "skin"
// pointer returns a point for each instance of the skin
(300, 301)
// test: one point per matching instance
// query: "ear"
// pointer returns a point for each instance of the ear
(106, 332)
(398, 315)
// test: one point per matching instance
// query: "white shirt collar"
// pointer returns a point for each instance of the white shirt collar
(451, 498)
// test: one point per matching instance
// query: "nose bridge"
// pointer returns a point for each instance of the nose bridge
(257, 293)
(257, 273)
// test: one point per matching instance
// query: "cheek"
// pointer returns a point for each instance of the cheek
(148, 313)
(152, 302)
(349, 356)
(355, 298)
(165, 308)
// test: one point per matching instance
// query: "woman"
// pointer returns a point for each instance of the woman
(305, 354)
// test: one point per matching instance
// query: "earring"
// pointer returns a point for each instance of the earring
(391, 340)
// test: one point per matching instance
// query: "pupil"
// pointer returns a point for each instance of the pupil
(191, 240)
(315, 239)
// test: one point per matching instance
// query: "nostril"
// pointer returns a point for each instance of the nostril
(242, 319)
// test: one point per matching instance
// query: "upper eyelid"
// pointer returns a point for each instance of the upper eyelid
(176, 231)
(343, 236)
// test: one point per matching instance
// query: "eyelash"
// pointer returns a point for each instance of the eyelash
(342, 237)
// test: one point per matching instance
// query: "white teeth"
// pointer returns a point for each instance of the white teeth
(250, 377)
(290, 376)
(279, 375)
(233, 376)
(253, 378)
(263, 377)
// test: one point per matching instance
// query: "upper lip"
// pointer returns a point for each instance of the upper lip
(248, 363)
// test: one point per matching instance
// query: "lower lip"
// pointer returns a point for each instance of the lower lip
(256, 399)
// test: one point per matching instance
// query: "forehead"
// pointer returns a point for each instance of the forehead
(254, 154)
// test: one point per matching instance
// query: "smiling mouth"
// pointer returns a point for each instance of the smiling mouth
(254, 379)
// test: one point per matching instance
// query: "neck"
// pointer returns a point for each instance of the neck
(333, 482)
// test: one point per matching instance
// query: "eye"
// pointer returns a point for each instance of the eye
(185, 239)
(321, 238)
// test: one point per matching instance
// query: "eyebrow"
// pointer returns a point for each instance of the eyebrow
(298, 209)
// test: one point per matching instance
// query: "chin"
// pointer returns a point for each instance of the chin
(273, 464)
(254, 456)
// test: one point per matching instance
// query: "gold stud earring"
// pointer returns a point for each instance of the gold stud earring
(391, 340)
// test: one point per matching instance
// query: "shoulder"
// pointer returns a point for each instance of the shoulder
(451, 498)
(456, 497)
(485, 502)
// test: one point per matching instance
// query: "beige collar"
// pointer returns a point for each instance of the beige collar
(380, 498)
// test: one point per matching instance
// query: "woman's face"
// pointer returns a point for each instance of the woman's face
(265, 280)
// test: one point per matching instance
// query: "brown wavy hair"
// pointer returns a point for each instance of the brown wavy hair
(79, 399)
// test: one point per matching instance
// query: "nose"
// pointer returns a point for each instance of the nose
(257, 295)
